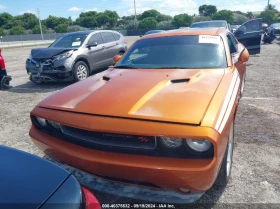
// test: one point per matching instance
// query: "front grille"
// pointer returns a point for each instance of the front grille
(119, 143)
(110, 139)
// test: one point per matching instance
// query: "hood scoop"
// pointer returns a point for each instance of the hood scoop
(185, 80)
(105, 78)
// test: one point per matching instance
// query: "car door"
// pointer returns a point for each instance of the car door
(96, 53)
(110, 46)
(249, 34)
(233, 47)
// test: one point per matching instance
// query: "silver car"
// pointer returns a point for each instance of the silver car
(74, 56)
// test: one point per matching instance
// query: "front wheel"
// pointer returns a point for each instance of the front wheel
(225, 170)
(81, 71)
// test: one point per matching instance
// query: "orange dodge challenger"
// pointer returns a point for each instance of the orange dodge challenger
(159, 122)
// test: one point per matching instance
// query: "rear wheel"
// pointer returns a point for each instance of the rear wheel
(225, 170)
(81, 71)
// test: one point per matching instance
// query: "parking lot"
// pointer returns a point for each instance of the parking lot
(256, 166)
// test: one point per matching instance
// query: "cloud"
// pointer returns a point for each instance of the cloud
(89, 10)
(32, 11)
(170, 7)
(2, 7)
(74, 9)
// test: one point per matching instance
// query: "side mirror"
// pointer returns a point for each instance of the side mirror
(94, 44)
(117, 58)
(244, 56)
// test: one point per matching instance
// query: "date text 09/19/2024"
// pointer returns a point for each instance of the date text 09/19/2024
(137, 206)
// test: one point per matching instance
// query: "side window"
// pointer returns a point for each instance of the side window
(251, 26)
(116, 36)
(231, 44)
(108, 37)
(96, 38)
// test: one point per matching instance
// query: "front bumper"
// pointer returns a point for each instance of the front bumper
(60, 70)
(195, 175)
(129, 191)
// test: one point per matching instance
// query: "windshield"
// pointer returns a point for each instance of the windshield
(69, 41)
(176, 52)
(276, 25)
(209, 25)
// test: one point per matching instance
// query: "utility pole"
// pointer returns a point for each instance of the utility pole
(40, 23)
(135, 20)
(267, 4)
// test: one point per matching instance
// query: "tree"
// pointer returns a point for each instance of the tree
(2, 32)
(37, 30)
(61, 28)
(240, 19)
(207, 10)
(87, 19)
(182, 20)
(150, 13)
(162, 17)
(73, 28)
(148, 23)
(17, 30)
(268, 16)
(201, 18)
(165, 24)
(29, 20)
(4, 18)
(250, 14)
(224, 15)
(102, 19)
(271, 7)
(53, 21)
(113, 18)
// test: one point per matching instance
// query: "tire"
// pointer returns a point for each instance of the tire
(36, 82)
(225, 170)
(121, 53)
(81, 71)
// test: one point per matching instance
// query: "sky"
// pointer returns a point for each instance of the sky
(63, 8)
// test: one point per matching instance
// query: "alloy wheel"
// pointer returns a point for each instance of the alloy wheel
(82, 72)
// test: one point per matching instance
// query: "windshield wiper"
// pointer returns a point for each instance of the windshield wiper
(125, 66)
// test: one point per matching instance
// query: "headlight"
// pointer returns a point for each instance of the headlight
(54, 124)
(199, 145)
(42, 121)
(63, 55)
(171, 143)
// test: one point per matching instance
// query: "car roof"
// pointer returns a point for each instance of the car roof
(210, 21)
(87, 32)
(186, 32)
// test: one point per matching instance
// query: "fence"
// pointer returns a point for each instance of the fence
(30, 37)
(54, 36)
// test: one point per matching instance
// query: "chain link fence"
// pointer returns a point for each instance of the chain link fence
(36, 39)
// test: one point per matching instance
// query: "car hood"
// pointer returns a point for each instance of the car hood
(180, 95)
(27, 181)
(46, 53)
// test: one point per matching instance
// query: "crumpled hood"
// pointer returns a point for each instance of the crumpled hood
(180, 95)
(46, 53)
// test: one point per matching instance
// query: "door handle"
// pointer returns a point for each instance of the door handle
(103, 47)
(117, 43)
